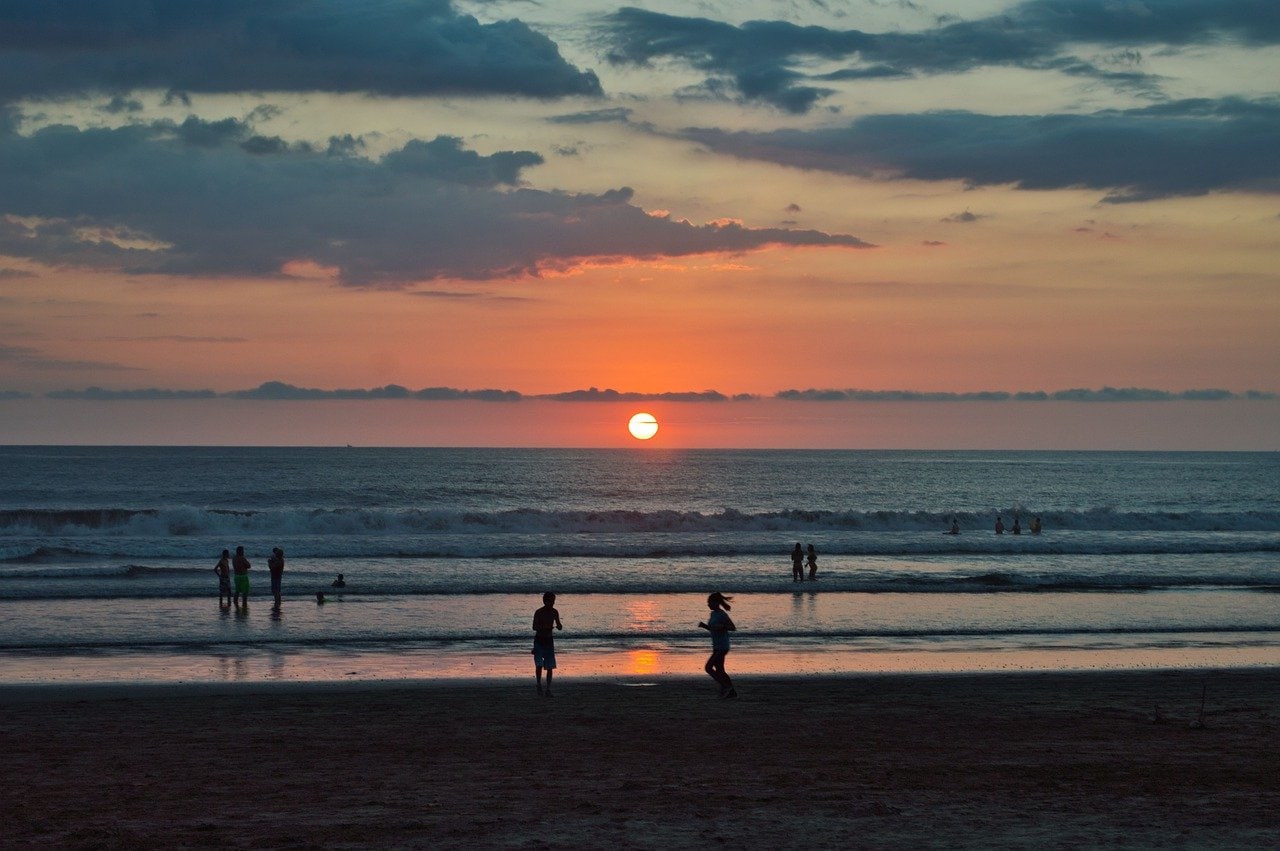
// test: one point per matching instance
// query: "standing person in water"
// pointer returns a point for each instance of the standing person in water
(797, 564)
(275, 564)
(544, 646)
(223, 569)
(241, 566)
(720, 625)
(999, 525)
(1035, 525)
(1017, 525)
(812, 560)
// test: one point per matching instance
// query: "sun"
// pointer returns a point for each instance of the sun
(643, 426)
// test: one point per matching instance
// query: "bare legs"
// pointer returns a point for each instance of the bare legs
(715, 669)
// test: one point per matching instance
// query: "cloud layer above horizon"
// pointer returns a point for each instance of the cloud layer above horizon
(448, 194)
(281, 391)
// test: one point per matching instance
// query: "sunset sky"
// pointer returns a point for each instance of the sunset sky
(967, 224)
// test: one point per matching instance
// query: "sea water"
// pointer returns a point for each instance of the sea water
(1145, 559)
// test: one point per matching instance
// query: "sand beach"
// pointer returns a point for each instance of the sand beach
(1116, 759)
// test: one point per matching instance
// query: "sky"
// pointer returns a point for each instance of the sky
(802, 223)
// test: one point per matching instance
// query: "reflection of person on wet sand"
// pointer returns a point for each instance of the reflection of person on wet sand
(812, 560)
(720, 625)
(223, 569)
(797, 564)
(544, 647)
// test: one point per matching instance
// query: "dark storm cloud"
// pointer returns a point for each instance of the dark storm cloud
(197, 199)
(1104, 394)
(388, 47)
(1176, 149)
(758, 61)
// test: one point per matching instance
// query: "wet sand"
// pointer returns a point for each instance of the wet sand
(980, 761)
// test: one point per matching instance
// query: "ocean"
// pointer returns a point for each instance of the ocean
(1145, 560)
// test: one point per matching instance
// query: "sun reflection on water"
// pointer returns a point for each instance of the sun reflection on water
(643, 662)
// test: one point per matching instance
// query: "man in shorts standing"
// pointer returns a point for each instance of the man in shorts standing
(240, 567)
(544, 647)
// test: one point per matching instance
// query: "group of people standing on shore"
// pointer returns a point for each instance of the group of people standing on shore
(233, 577)
(801, 559)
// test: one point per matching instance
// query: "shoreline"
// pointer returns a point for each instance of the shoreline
(641, 660)
(1006, 759)
(16, 693)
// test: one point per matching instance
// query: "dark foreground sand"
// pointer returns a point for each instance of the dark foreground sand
(1056, 760)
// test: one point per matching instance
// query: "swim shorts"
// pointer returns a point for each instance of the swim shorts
(224, 584)
(544, 655)
(242, 583)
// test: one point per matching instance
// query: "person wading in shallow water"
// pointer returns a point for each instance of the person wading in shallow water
(223, 569)
(797, 564)
(275, 564)
(812, 560)
(241, 566)
(720, 625)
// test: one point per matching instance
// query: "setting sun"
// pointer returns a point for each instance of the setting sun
(643, 426)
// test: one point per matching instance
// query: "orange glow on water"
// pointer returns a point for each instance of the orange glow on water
(643, 662)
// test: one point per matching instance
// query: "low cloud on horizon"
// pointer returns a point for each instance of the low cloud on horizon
(281, 391)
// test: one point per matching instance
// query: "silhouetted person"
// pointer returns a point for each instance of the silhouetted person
(275, 564)
(720, 625)
(955, 527)
(223, 569)
(1017, 526)
(797, 564)
(240, 565)
(339, 582)
(319, 598)
(999, 526)
(812, 560)
(544, 645)
(1035, 525)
